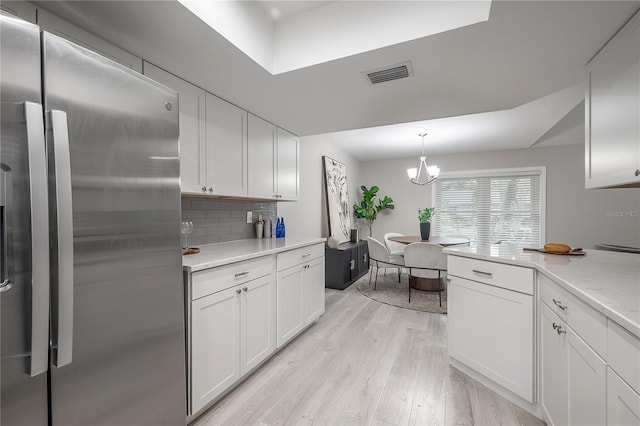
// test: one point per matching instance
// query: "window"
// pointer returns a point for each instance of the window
(492, 205)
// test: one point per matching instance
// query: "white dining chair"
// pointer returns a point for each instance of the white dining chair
(394, 248)
(380, 257)
(426, 260)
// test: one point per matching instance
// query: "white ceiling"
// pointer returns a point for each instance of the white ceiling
(525, 52)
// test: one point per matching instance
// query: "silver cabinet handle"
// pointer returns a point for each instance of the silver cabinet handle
(245, 289)
(352, 264)
(60, 171)
(364, 258)
(6, 233)
(306, 255)
(558, 329)
(241, 274)
(238, 291)
(204, 189)
(559, 304)
(486, 274)
(637, 172)
(210, 189)
(39, 239)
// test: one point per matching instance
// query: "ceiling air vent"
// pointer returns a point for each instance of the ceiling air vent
(393, 72)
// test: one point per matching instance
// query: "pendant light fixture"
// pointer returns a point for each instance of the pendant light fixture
(423, 175)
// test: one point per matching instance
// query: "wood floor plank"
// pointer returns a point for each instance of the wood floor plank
(364, 363)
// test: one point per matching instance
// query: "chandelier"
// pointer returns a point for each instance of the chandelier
(423, 174)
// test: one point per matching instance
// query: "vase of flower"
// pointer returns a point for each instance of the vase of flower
(424, 216)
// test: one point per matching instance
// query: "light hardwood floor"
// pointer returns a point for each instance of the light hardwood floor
(365, 363)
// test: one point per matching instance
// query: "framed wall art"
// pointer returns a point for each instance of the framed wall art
(337, 197)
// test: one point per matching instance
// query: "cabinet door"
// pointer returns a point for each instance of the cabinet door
(491, 331)
(226, 138)
(554, 368)
(587, 378)
(215, 346)
(261, 160)
(612, 111)
(289, 316)
(573, 375)
(313, 290)
(71, 32)
(287, 162)
(363, 258)
(191, 101)
(623, 403)
(257, 322)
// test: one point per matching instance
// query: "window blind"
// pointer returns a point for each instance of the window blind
(496, 206)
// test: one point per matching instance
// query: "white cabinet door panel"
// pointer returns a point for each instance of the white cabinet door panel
(257, 322)
(289, 318)
(226, 148)
(313, 290)
(287, 175)
(623, 404)
(215, 343)
(261, 160)
(554, 368)
(491, 331)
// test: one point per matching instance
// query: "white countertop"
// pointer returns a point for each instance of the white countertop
(212, 255)
(608, 281)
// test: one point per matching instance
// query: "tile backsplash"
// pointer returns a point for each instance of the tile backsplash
(216, 220)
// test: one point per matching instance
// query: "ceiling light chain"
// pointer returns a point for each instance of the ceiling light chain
(430, 174)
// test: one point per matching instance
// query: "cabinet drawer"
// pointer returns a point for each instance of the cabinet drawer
(586, 321)
(514, 278)
(213, 280)
(623, 354)
(294, 257)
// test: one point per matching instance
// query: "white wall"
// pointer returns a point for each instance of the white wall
(308, 216)
(578, 217)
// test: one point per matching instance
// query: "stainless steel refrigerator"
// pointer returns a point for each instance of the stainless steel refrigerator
(92, 307)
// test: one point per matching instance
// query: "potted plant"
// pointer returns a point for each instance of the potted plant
(368, 209)
(424, 216)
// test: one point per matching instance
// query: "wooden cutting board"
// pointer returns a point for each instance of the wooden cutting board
(190, 250)
(579, 252)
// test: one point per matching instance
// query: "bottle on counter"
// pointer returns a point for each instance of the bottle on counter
(283, 228)
(279, 228)
(259, 227)
(267, 228)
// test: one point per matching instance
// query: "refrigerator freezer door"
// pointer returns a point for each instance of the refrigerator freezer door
(128, 364)
(24, 398)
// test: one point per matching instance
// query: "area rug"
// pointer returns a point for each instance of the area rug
(391, 292)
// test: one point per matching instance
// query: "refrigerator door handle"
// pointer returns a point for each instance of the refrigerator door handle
(6, 232)
(39, 239)
(59, 150)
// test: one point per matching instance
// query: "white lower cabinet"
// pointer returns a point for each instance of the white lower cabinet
(623, 403)
(215, 346)
(573, 375)
(300, 290)
(491, 331)
(231, 330)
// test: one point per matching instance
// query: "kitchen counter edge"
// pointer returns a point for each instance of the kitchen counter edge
(219, 254)
(604, 298)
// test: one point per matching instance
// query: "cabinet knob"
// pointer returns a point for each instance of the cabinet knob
(210, 189)
(448, 279)
(238, 291)
(204, 189)
(245, 289)
(637, 172)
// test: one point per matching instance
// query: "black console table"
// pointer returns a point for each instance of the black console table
(345, 264)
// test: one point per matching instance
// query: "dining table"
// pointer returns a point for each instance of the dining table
(443, 241)
(428, 284)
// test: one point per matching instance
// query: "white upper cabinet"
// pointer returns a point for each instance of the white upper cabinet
(226, 148)
(273, 161)
(191, 100)
(261, 158)
(612, 112)
(287, 165)
(67, 30)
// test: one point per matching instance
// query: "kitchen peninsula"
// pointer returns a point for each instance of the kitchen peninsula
(578, 318)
